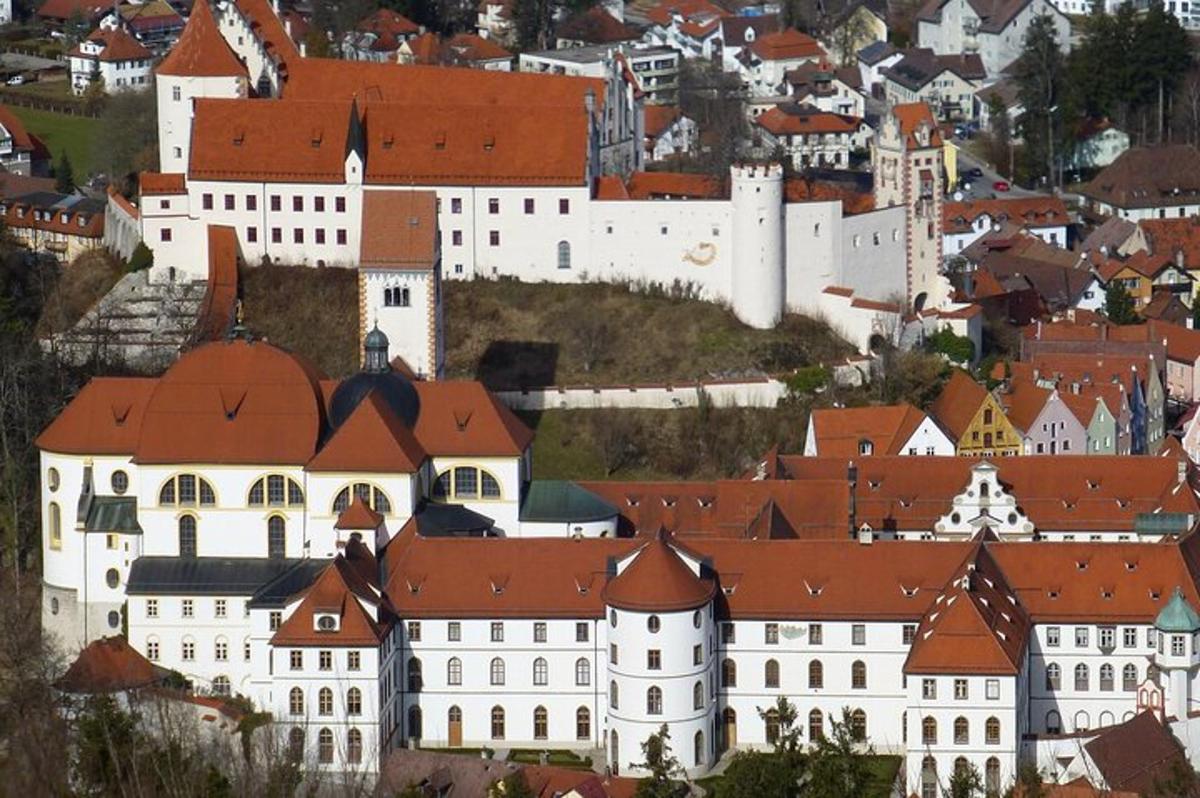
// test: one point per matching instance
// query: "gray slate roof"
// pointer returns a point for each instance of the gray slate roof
(205, 576)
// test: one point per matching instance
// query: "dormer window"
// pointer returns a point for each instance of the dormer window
(865, 447)
(325, 622)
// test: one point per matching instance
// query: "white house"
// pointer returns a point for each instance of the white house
(878, 430)
(111, 59)
(992, 29)
(1098, 144)
(947, 83)
(966, 222)
(767, 60)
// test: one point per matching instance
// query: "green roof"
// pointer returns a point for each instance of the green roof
(1161, 523)
(558, 501)
(1178, 615)
(113, 514)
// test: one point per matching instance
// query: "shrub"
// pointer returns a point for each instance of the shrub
(142, 258)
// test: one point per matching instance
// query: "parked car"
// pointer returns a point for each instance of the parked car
(1001, 185)
(16, 80)
(974, 173)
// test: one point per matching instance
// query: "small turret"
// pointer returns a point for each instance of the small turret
(1177, 625)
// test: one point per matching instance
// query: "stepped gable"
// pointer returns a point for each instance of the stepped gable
(201, 50)
(658, 580)
(103, 418)
(340, 590)
(268, 29)
(234, 401)
(975, 625)
(373, 439)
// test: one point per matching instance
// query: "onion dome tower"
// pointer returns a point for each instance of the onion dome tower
(377, 375)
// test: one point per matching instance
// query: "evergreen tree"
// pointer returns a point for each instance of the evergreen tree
(836, 767)
(516, 786)
(753, 774)
(64, 175)
(1118, 304)
(965, 782)
(663, 781)
(1041, 87)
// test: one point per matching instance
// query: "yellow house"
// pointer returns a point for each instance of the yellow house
(974, 419)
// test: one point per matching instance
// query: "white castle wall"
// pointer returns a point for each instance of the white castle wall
(174, 95)
(757, 199)
(764, 392)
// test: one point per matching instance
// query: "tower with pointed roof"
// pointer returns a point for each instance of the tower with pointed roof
(1177, 654)
(201, 64)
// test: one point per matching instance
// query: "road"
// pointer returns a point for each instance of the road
(981, 188)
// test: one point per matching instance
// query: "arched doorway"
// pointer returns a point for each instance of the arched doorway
(729, 724)
(698, 750)
(614, 752)
(414, 723)
(919, 302)
(454, 718)
(929, 782)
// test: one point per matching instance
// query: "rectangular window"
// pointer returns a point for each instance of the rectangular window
(960, 689)
(728, 633)
(1081, 637)
(612, 653)
(164, 234)
(341, 238)
(494, 238)
(539, 632)
(858, 634)
(219, 607)
(189, 651)
(497, 631)
(456, 237)
(276, 202)
(528, 205)
(251, 202)
(815, 634)
(993, 689)
(771, 634)
(298, 204)
(414, 631)
(581, 632)
(297, 235)
(151, 608)
(493, 206)
(229, 204)
(908, 633)
(654, 660)
(275, 619)
(319, 204)
(564, 206)
(206, 201)
(454, 631)
(1178, 645)
(929, 689)
(276, 235)
(698, 655)
(455, 205)
(1108, 637)
(353, 661)
(1129, 637)
(251, 235)
(189, 609)
(319, 235)
(325, 660)
(296, 659)
(1052, 636)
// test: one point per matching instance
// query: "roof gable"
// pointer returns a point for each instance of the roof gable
(371, 440)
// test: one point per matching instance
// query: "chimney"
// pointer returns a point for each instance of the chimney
(1075, 388)
(1182, 469)
(1038, 334)
(852, 479)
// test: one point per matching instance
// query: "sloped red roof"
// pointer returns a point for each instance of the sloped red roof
(155, 183)
(840, 430)
(911, 116)
(340, 590)
(958, 402)
(109, 665)
(399, 230)
(371, 440)
(659, 117)
(117, 45)
(201, 50)
(658, 580)
(358, 516)
(103, 418)
(780, 122)
(62, 10)
(787, 45)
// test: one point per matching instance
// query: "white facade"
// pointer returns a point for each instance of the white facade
(89, 66)
(955, 28)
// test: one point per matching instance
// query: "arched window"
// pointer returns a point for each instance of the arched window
(1082, 721)
(654, 701)
(583, 724)
(612, 694)
(816, 674)
(858, 675)
(497, 671)
(55, 522)
(583, 672)
(771, 721)
(354, 701)
(414, 722)
(991, 776)
(698, 695)
(564, 254)
(728, 673)
(397, 297)
(187, 536)
(325, 747)
(354, 746)
(220, 685)
(1107, 678)
(1081, 677)
(325, 701)
(1129, 678)
(1106, 719)
(1053, 722)
(929, 778)
(816, 725)
(541, 672)
(614, 752)
(1053, 677)
(928, 730)
(961, 765)
(372, 496)
(415, 680)
(858, 725)
(454, 671)
(296, 701)
(465, 483)
(698, 752)
(275, 490)
(276, 537)
(497, 723)
(991, 731)
(454, 715)
(962, 731)
(221, 649)
(296, 743)
(541, 723)
(186, 490)
(771, 675)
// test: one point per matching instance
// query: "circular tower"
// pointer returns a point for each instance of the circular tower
(661, 663)
(1177, 657)
(756, 195)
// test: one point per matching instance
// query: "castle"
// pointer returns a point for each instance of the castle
(307, 161)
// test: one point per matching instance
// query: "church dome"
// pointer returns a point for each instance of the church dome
(377, 375)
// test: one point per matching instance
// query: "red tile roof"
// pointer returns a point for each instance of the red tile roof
(801, 120)
(464, 418)
(155, 183)
(658, 579)
(62, 10)
(201, 49)
(399, 230)
(109, 665)
(358, 516)
(674, 185)
(658, 117)
(787, 45)
(1037, 211)
(116, 45)
(956, 405)
(103, 418)
(1169, 236)
(340, 590)
(596, 26)
(912, 116)
(16, 129)
(371, 440)
(839, 431)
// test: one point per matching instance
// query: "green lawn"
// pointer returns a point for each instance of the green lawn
(61, 132)
(556, 757)
(883, 775)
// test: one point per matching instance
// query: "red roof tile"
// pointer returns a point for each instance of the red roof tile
(779, 121)
(109, 665)
(658, 580)
(789, 44)
(399, 230)
(155, 183)
(371, 440)
(116, 45)
(358, 516)
(201, 49)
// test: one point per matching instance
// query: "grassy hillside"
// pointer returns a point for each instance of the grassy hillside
(62, 132)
